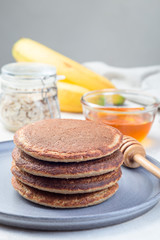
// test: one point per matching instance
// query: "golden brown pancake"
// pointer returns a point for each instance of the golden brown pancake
(55, 200)
(67, 186)
(67, 170)
(67, 140)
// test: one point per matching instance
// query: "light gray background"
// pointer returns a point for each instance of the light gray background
(120, 32)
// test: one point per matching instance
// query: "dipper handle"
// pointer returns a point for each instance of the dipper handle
(134, 156)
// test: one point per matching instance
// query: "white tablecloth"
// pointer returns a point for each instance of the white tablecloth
(145, 227)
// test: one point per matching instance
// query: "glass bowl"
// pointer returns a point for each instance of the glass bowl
(130, 111)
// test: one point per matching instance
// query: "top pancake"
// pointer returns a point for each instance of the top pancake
(67, 140)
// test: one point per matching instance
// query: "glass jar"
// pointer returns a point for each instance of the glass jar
(28, 94)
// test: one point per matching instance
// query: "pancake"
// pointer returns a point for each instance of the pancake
(67, 140)
(67, 186)
(62, 201)
(67, 170)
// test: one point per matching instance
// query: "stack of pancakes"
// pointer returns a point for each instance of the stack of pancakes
(66, 163)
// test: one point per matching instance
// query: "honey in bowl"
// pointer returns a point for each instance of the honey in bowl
(134, 125)
(131, 113)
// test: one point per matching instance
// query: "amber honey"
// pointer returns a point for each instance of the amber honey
(134, 125)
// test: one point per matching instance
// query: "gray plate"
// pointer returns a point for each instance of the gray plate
(138, 192)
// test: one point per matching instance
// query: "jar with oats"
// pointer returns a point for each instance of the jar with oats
(28, 94)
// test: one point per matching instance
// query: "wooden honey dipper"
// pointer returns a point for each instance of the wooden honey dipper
(134, 156)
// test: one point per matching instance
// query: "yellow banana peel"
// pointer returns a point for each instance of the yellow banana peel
(27, 50)
(78, 81)
(69, 96)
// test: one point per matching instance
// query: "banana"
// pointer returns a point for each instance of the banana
(27, 50)
(69, 96)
